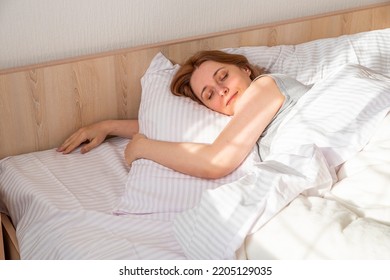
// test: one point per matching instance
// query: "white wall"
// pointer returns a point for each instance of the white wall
(33, 31)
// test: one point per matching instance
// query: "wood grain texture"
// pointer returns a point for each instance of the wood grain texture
(9, 247)
(40, 105)
(2, 252)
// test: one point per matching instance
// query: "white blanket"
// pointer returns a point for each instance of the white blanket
(351, 221)
(328, 126)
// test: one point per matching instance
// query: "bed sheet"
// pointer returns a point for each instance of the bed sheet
(351, 221)
(62, 207)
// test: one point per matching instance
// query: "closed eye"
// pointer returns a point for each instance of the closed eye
(210, 94)
(224, 77)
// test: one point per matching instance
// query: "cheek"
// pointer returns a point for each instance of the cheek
(218, 106)
(240, 82)
(213, 105)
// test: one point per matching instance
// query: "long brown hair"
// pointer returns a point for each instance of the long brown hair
(180, 85)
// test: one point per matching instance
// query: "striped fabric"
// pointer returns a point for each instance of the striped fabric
(309, 62)
(62, 207)
(164, 116)
(93, 207)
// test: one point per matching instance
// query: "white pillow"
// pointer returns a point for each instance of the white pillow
(154, 188)
(311, 61)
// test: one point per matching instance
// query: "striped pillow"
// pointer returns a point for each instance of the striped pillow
(154, 188)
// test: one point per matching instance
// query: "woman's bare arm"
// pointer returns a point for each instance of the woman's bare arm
(254, 112)
(96, 133)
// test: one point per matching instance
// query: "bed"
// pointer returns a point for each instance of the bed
(94, 206)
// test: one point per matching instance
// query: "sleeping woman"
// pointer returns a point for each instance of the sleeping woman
(225, 83)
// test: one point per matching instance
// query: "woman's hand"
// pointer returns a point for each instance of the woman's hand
(93, 135)
(96, 133)
(132, 149)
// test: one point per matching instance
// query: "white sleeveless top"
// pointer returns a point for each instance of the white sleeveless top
(292, 90)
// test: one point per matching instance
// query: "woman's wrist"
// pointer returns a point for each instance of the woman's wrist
(140, 148)
(121, 128)
(108, 127)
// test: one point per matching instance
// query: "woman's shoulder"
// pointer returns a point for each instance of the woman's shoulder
(275, 76)
(286, 84)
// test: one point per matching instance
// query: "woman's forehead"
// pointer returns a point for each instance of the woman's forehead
(202, 77)
(205, 72)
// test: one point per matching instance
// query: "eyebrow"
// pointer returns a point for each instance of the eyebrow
(215, 74)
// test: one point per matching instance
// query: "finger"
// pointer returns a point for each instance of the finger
(69, 142)
(71, 146)
(63, 146)
(127, 157)
(91, 145)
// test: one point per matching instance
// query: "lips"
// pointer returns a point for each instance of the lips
(231, 98)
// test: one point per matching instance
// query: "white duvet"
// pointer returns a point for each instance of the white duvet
(351, 221)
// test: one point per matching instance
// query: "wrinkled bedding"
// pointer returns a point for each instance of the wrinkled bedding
(350, 221)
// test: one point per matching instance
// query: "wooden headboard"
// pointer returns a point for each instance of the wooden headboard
(40, 105)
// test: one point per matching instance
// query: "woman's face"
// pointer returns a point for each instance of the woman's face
(220, 85)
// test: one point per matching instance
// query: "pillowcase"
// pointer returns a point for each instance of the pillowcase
(311, 61)
(153, 188)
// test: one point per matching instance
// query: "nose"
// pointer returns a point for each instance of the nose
(223, 90)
